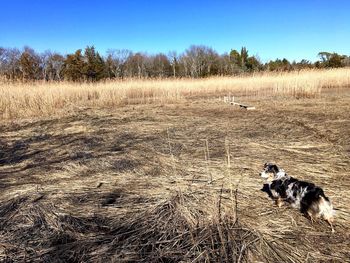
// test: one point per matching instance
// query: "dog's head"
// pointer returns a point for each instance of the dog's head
(271, 171)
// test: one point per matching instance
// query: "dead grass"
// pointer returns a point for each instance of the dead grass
(152, 183)
(178, 229)
(18, 100)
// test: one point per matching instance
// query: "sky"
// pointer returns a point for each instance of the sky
(292, 29)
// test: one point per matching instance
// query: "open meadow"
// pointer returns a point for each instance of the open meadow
(165, 171)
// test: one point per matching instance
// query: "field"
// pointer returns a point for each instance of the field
(165, 171)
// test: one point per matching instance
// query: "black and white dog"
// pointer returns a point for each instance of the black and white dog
(305, 196)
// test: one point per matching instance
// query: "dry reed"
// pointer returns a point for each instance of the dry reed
(20, 100)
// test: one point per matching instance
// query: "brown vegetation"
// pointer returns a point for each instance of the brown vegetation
(171, 182)
(18, 100)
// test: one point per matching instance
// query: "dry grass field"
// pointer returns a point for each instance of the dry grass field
(46, 99)
(164, 171)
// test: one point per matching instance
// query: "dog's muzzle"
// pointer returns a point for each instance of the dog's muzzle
(264, 175)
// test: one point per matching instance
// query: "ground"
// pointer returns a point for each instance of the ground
(105, 168)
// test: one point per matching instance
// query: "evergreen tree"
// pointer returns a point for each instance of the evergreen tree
(94, 68)
(111, 69)
(235, 58)
(244, 57)
(335, 61)
(253, 64)
(29, 64)
(73, 66)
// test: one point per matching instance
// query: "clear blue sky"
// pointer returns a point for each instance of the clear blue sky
(294, 29)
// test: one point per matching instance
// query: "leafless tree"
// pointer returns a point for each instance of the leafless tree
(173, 58)
(199, 60)
(160, 66)
(136, 65)
(117, 59)
(10, 63)
(51, 64)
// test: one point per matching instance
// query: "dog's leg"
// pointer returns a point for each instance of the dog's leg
(330, 222)
(311, 217)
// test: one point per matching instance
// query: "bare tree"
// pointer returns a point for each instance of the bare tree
(224, 64)
(10, 63)
(117, 59)
(51, 64)
(160, 66)
(2, 61)
(136, 65)
(173, 58)
(44, 64)
(346, 61)
(199, 60)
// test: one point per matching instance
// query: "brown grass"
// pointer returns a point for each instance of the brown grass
(19, 100)
(174, 182)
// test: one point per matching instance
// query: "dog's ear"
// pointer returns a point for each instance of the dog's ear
(266, 164)
(274, 168)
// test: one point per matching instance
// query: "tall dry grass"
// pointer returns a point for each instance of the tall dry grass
(20, 100)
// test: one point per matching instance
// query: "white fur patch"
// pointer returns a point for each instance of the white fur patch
(264, 174)
(281, 173)
(300, 194)
(289, 193)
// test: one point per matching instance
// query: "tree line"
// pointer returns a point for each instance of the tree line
(197, 61)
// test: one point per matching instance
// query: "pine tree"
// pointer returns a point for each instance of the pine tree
(29, 64)
(244, 57)
(235, 58)
(94, 68)
(73, 66)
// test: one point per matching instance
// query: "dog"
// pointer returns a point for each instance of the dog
(307, 197)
